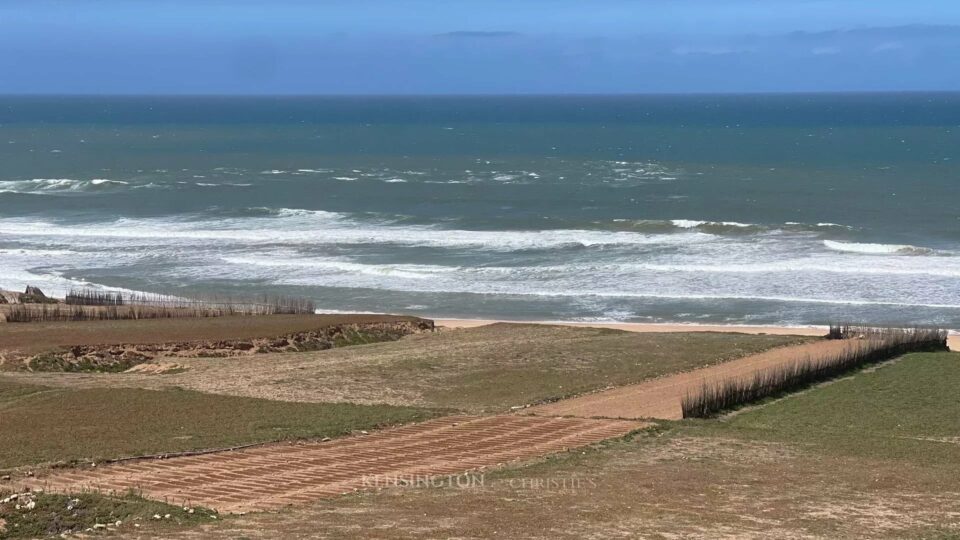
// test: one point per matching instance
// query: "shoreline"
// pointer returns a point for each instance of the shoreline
(953, 341)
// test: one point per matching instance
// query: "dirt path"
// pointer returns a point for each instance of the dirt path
(660, 398)
(273, 476)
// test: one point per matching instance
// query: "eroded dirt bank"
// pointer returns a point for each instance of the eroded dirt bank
(123, 356)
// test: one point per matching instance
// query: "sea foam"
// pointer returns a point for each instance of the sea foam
(877, 249)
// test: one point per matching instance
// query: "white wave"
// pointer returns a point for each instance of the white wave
(37, 252)
(51, 284)
(406, 271)
(331, 311)
(319, 228)
(829, 266)
(877, 249)
(822, 225)
(273, 171)
(102, 181)
(535, 289)
(38, 184)
(395, 181)
(693, 224)
(43, 185)
(300, 212)
(345, 178)
(786, 299)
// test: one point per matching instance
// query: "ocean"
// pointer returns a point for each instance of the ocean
(754, 209)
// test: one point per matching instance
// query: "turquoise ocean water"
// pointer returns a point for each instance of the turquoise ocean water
(774, 209)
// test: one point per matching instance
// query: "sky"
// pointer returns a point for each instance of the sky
(476, 47)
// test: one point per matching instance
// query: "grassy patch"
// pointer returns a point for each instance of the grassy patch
(736, 392)
(10, 391)
(477, 370)
(909, 408)
(42, 514)
(493, 368)
(871, 455)
(43, 425)
(359, 337)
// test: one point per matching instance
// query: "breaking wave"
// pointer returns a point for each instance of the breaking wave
(718, 227)
(877, 249)
(48, 185)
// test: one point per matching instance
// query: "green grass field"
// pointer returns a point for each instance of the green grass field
(544, 363)
(481, 370)
(44, 425)
(875, 454)
(493, 368)
(906, 409)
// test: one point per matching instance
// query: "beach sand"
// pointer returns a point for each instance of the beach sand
(953, 341)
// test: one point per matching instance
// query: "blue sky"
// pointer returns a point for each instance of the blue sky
(470, 47)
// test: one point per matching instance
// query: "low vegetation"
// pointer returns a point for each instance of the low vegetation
(875, 346)
(66, 425)
(44, 336)
(875, 455)
(36, 515)
(478, 370)
(121, 357)
(100, 305)
(264, 304)
(906, 410)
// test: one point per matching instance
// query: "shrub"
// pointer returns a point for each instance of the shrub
(873, 345)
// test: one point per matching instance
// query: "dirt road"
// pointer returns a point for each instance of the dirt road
(660, 398)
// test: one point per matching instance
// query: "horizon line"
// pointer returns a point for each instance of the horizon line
(474, 95)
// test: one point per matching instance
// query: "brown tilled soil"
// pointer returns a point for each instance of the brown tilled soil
(660, 398)
(657, 488)
(121, 357)
(19, 340)
(39, 336)
(274, 476)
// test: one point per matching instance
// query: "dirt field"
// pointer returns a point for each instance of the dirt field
(271, 477)
(873, 455)
(36, 337)
(477, 371)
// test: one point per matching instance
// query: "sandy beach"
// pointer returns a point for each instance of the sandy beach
(953, 341)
